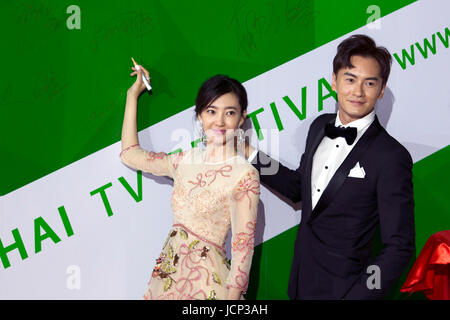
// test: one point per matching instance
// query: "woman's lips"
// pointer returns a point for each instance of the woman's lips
(219, 132)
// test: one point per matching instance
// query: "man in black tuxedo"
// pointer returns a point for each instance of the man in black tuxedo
(353, 178)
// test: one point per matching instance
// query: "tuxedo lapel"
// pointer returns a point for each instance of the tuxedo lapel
(342, 172)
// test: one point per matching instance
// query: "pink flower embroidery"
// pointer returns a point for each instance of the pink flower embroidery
(153, 155)
(240, 281)
(246, 185)
(244, 241)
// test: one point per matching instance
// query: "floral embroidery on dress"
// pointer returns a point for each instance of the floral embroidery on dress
(245, 241)
(249, 183)
(178, 197)
(210, 173)
(177, 159)
(225, 261)
(193, 263)
(207, 200)
(128, 148)
(200, 182)
(153, 155)
(213, 173)
(240, 281)
(165, 267)
(212, 295)
(191, 258)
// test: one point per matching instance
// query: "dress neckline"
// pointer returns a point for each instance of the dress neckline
(222, 161)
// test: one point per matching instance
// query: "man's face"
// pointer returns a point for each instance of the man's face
(358, 88)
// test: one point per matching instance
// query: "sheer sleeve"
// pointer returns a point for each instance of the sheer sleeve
(160, 164)
(243, 213)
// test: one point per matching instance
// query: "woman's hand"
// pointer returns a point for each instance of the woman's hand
(139, 85)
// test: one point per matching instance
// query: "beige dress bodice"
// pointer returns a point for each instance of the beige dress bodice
(207, 200)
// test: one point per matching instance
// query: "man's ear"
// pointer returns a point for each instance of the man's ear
(380, 96)
(333, 82)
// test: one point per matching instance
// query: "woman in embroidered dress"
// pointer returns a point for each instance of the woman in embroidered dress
(215, 189)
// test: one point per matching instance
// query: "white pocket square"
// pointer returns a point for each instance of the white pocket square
(357, 172)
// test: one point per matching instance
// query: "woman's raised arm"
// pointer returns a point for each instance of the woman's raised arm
(129, 127)
(132, 154)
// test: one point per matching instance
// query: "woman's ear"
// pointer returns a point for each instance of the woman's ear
(243, 116)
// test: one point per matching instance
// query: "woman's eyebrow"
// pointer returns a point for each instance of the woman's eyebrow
(227, 107)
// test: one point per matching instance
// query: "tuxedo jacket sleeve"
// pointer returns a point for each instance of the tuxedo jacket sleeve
(396, 215)
(280, 178)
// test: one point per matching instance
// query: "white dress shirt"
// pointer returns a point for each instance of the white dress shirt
(331, 153)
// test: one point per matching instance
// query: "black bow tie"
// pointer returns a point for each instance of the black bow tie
(348, 133)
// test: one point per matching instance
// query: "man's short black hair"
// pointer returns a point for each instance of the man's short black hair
(364, 46)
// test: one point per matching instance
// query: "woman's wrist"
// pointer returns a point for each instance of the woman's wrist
(132, 94)
(234, 294)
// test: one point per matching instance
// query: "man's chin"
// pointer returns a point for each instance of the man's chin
(353, 115)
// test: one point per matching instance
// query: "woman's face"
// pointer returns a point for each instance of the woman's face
(221, 118)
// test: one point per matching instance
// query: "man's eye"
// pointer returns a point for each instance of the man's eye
(350, 80)
(370, 84)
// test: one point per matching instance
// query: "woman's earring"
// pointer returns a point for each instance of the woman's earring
(202, 132)
(240, 137)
